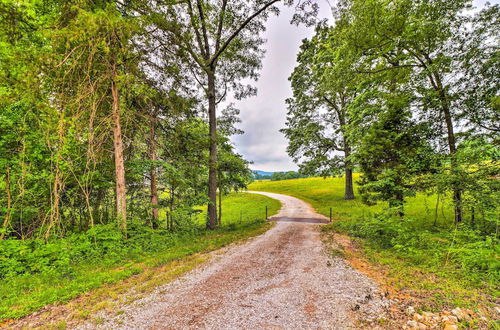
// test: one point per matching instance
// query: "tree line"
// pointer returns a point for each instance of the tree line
(406, 91)
(109, 109)
(278, 176)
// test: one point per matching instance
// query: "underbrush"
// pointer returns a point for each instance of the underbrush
(460, 251)
(35, 273)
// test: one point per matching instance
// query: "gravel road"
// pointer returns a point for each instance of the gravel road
(282, 279)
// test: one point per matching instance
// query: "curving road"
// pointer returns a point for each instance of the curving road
(282, 279)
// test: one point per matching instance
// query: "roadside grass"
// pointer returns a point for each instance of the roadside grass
(24, 294)
(326, 193)
(424, 256)
(246, 209)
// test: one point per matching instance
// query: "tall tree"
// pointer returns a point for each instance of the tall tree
(97, 56)
(318, 116)
(418, 35)
(221, 44)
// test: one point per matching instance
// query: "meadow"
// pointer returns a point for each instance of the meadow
(35, 273)
(326, 193)
(423, 254)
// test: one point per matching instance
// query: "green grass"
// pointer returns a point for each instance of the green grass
(326, 193)
(447, 266)
(22, 295)
(243, 207)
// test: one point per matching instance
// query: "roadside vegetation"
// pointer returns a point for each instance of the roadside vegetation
(35, 273)
(424, 253)
(407, 94)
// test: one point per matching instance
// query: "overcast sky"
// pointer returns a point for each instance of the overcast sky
(265, 114)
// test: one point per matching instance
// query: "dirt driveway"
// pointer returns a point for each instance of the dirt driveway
(283, 279)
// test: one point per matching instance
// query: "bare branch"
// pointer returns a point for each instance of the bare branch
(238, 30)
(204, 29)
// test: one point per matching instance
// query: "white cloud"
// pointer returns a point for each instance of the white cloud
(263, 115)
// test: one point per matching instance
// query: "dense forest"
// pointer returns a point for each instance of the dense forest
(104, 116)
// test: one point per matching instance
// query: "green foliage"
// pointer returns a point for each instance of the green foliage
(34, 273)
(403, 87)
(277, 176)
(464, 250)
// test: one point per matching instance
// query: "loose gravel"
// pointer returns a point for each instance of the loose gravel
(283, 279)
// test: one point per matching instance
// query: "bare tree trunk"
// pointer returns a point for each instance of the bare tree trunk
(121, 202)
(219, 222)
(349, 189)
(212, 163)
(7, 219)
(457, 192)
(153, 175)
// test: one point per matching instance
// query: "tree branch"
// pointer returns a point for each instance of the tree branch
(204, 28)
(235, 33)
(219, 27)
(195, 28)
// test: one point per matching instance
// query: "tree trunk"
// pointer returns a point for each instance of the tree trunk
(153, 175)
(457, 192)
(400, 203)
(97, 205)
(121, 202)
(349, 189)
(212, 163)
(437, 84)
(219, 222)
(6, 221)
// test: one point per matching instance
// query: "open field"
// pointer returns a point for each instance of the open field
(326, 193)
(25, 293)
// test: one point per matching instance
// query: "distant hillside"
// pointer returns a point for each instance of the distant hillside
(262, 173)
(277, 176)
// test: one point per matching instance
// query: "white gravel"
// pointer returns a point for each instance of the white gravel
(282, 279)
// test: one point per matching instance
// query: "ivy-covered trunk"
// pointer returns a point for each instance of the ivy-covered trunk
(121, 202)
